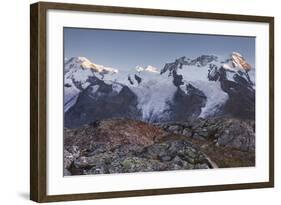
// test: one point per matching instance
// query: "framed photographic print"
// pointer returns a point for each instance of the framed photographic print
(134, 102)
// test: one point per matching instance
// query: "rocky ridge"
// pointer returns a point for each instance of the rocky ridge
(228, 132)
(122, 145)
(228, 142)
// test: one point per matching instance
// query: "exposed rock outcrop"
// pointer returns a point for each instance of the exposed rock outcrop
(228, 142)
(122, 145)
(228, 132)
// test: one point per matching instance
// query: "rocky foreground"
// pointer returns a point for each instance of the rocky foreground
(123, 145)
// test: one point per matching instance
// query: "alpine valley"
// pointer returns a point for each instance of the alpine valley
(192, 113)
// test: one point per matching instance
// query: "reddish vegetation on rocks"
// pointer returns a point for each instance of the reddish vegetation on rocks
(115, 132)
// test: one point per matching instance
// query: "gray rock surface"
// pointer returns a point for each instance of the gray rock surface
(228, 132)
(123, 145)
(139, 150)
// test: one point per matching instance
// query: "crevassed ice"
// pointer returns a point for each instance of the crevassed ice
(197, 76)
(153, 97)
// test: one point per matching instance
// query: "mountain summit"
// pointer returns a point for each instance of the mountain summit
(148, 69)
(188, 88)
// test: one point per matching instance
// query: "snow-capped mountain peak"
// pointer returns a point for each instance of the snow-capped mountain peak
(237, 62)
(87, 64)
(185, 88)
(149, 68)
(78, 72)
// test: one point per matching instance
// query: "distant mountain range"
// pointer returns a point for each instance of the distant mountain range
(185, 89)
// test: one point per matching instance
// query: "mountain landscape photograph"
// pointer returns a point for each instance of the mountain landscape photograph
(142, 101)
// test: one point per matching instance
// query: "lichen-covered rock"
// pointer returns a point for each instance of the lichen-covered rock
(122, 145)
(237, 135)
(110, 149)
(167, 155)
(136, 164)
(229, 132)
(69, 155)
(228, 142)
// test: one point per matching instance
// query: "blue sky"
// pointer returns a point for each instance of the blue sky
(126, 49)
